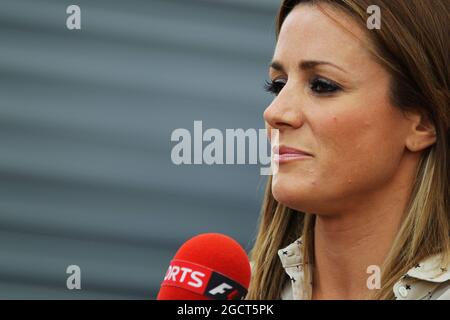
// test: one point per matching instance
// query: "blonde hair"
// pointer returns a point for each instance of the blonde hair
(413, 46)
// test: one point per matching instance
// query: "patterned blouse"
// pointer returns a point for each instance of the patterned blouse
(428, 280)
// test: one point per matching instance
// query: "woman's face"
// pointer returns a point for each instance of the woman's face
(332, 100)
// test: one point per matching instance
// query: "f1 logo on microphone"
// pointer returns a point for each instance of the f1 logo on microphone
(220, 289)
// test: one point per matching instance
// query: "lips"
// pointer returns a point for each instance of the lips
(284, 154)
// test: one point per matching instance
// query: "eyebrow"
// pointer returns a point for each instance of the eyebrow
(305, 65)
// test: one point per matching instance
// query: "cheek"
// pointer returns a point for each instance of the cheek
(359, 150)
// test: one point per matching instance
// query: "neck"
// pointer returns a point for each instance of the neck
(345, 245)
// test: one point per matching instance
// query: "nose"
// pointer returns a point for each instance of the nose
(284, 112)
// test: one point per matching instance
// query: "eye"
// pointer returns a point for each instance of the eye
(274, 86)
(322, 86)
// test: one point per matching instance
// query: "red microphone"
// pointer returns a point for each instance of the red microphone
(209, 266)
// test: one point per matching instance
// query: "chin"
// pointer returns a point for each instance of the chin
(304, 197)
(288, 194)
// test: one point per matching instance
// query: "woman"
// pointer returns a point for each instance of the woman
(359, 206)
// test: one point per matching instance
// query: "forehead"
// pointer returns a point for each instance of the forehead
(308, 33)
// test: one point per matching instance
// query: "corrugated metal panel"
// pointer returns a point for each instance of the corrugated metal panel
(85, 124)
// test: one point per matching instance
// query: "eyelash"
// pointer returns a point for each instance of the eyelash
(275, 86)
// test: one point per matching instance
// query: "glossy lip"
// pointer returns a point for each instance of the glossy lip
(285, 154)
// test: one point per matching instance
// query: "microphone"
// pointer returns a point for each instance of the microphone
(209, 266)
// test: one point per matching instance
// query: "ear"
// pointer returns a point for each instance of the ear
(422, 133)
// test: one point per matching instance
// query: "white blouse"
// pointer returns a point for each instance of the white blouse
(428, 280)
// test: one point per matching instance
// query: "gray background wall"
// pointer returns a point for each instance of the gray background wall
(85, 122)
